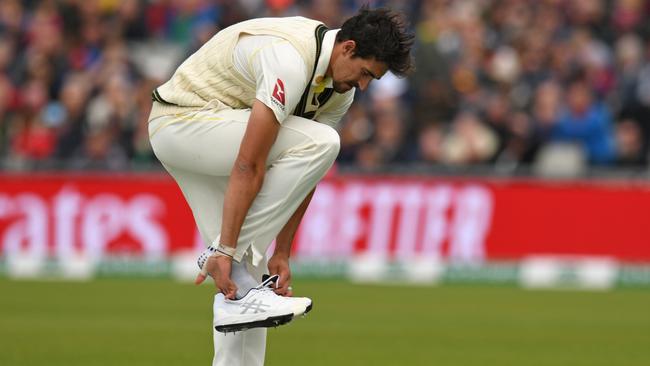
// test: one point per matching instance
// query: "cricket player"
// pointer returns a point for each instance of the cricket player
(246, 128)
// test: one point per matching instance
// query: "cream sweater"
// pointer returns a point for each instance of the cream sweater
(208, 78)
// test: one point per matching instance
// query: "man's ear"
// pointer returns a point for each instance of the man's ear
(349, 47)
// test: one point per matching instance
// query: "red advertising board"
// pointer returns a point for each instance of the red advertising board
(469, 220)
(58, 215)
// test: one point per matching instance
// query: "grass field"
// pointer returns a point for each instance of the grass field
(160, 322)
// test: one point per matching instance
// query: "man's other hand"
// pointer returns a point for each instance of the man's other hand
(219, 268)
(279, 264)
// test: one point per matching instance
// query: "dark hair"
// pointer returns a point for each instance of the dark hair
(380, 34)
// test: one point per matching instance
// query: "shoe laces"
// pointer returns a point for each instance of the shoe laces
(258, 293)
(265, 291)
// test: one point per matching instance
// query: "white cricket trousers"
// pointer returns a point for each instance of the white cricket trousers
(199, 149)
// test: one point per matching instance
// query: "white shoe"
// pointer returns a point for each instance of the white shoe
(260, 308)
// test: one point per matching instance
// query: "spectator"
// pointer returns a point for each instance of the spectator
(356, 129)
(430, 143)
(586, 121)
(629, 144)
(469, 141)
(73, 96)
(31, 138)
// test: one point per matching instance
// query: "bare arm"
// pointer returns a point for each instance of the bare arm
(285, 237)
(248, 171)
(279, 262)
(245, 182)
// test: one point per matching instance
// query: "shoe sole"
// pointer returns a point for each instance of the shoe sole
(269, 322)
(272, 321)
(308, 309)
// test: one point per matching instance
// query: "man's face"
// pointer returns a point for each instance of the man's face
(350, 72)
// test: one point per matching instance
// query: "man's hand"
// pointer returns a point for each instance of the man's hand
(219, 268)
(279, 264)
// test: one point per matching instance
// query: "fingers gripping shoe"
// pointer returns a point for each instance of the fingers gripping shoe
(260, 308)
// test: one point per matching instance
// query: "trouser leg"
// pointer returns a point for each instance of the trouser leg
(245, 348)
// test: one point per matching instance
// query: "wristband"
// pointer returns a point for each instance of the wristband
(226, 250)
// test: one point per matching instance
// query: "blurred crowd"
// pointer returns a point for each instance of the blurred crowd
(507, 84)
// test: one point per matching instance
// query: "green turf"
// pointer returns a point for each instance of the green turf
(159, 322)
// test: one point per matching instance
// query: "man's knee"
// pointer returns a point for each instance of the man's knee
(329, 142)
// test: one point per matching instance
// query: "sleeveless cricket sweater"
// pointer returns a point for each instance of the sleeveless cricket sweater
(209, 80)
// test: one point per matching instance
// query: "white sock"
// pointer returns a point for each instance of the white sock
(242, 279)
